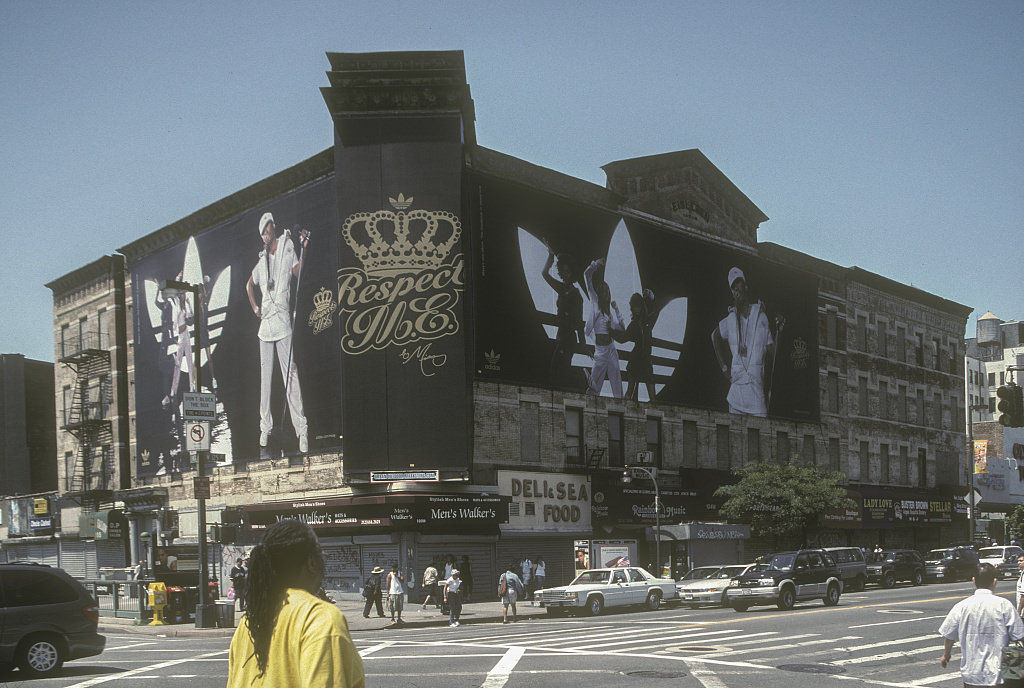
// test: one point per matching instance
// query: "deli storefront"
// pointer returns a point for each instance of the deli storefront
(410, 530)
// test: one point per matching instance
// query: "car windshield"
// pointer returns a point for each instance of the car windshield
(588, 577)
(991, 553)
(876, 557)
(782, 562)
(730, 571)
(700, 573)
(940, 554)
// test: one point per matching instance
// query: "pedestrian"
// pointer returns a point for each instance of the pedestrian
(510, 589)
(289, 638)
(983, 624)
(430, 585)
(526, 566)
(373, 591)
(466, 574)
(449, 565)
(1020, 584)
(540, 572)
(139, 570)
(453, 596)
(396, 593)
(238, 577)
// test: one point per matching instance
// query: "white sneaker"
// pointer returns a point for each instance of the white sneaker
(304, 443)
(457, 623)
(264, 438)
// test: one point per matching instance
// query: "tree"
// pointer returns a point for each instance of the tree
(1015, 521)
(780, 499)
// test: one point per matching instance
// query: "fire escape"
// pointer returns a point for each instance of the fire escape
(90, 477)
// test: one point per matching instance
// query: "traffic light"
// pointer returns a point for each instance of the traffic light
(1011, 406)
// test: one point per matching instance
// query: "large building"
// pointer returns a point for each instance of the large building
(423, 347)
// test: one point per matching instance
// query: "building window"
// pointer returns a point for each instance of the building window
(722, 447)
(862, 333)
(833, 453)
(782, 447)
(862, 396)
(690, 443)
(865, 459)
(83, 335)
(810, 457)
(901, 344)
(991, 404)
(991, 379)
(883, 400)
(937, 411)
(833, 392)
(574, 437)
(69, 469)
(103, 328)
(920, 420)
(922, 467)
(883, 340)
(654, 439)
(904, 466)
(529, 431)
(753, 445)
(937, 354)
(616, 452)
(1002, 378)
(919, 349)
(68, 398)
(831, 330)
(65, 332)
(903, 402)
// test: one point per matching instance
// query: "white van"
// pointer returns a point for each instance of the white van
(1003, 557)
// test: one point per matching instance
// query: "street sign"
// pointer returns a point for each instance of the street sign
(429, 476)
(645, 457)
(197, 436)
(201, 486)
(198, 406)
(644, 473)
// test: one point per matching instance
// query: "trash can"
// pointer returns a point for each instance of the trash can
(176, 611)
(225, 613)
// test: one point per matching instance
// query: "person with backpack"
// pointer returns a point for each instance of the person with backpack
(510, 588)
(373, 592)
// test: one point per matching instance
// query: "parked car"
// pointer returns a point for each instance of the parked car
(789, 577)
(1003, 557)
(892, 565)
(46, 619)
(707, 584)
(852, 565)
(951, 563)
(593, 590)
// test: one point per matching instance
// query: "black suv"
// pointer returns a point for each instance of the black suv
(790, 577)
(951, 564)
(46, 618)
(895, 565)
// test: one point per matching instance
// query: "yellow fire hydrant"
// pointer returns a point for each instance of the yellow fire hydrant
(157, 600)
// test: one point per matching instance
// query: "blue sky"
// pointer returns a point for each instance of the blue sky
(886, 135)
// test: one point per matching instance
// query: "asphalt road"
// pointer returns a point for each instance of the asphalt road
(877, 638)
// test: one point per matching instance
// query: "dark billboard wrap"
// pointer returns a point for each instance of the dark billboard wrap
(586, 300)
(266, 281)
(400, 294)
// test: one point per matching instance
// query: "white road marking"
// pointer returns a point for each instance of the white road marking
(142, 670)
(376, 648)
(706, 677)
(901, 621)
(498, 676)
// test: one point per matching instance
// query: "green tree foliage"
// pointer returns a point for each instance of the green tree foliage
(1015, 521)
(780, 499)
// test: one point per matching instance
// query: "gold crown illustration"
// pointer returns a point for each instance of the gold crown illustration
(323, 300)
(405, 253)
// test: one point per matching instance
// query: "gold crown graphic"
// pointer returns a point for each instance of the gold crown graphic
(405, 253)
(323, 300)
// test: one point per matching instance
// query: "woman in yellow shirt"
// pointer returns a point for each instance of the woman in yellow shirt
(288, 636)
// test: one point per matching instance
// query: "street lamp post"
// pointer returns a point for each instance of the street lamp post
(205, 613)
(627, 478)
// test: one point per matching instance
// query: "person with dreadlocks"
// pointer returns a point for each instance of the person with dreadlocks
(288, 636)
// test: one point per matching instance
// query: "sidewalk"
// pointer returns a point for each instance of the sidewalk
(472, 613)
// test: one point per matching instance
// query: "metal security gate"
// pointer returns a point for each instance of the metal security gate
(557, 551)
(481, 561)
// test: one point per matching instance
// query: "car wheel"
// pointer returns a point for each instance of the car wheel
(653, 601)
(740, 607)
(832, 595)
(595, 605)
(40, 656)
(786, 598)
(918, 578)
(888, 580)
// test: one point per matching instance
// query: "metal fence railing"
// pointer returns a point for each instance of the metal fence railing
(123, 599)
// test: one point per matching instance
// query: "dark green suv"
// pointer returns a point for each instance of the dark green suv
(46, 618)
(892, 565)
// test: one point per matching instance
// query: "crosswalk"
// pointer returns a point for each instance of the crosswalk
(724, 655)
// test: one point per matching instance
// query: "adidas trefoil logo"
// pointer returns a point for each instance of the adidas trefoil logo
(493, 360)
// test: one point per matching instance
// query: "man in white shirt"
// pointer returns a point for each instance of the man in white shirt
(983, 624)
(1020, 584)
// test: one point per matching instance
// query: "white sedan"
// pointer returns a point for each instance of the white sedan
(595, 589)
(707, 584)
